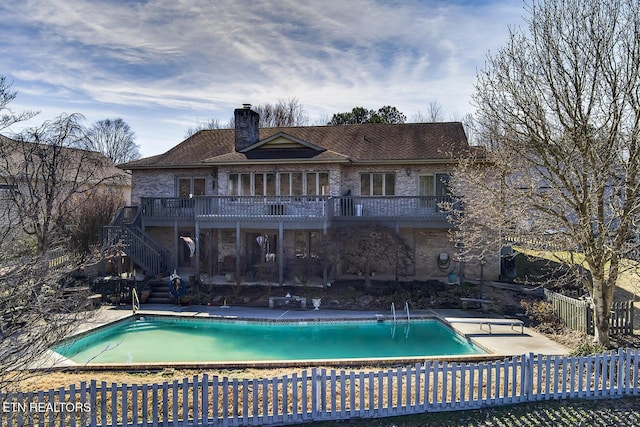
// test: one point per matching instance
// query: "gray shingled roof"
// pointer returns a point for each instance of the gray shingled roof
(358, 143)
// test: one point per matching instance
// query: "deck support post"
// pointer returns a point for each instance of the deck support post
(238, 252)
(197, 254)
(176, 245)
(280, 252)
(325, 272)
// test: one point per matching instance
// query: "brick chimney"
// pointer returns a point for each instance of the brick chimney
(246, 121)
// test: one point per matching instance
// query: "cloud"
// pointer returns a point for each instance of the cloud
(197, 58)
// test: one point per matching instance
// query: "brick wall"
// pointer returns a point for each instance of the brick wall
(151, 183)
(430, 243)
(341, 178)
(406, 177)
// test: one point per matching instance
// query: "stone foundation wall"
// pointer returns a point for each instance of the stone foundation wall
(428, 244)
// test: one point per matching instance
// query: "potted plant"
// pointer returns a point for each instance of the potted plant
(453, 277)
(144, 292)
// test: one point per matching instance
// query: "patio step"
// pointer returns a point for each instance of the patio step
(159, 292)
(159, 301)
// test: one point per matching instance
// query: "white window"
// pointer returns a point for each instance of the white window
(264, 184)
(189, 186)
(278, 184)
(433, 188)
(239, 184)
(290, 183)
(377, 184)
(317, 183)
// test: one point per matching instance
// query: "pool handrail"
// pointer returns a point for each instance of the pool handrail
(406, 307)
(393, 311)
(135, 301)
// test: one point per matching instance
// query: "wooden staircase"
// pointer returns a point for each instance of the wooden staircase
(125, 233)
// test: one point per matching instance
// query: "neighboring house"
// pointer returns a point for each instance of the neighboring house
(266, 196)
(76, 172)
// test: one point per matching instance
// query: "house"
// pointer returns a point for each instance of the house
(43, 182)
(251, 197)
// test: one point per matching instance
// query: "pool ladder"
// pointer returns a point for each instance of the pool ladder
(135, 301)
(406, 309)
(393, 313)
(406, 330)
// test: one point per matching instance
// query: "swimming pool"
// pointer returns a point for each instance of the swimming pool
(162, 339)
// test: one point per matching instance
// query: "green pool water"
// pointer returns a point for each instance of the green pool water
(201, 340)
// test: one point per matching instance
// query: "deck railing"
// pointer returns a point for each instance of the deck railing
(321, 394)
(331, 208)
(126, 215)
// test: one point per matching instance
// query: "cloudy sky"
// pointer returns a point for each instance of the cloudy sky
(166, 65)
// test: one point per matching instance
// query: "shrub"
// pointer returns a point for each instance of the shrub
(587, 348)
(539, 311)
(96, 211)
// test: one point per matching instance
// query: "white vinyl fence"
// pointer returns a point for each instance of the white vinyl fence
(319, 394)
(578, 314)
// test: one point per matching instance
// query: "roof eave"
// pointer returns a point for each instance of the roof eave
(301, 161)
(405, 161)
(279, 161)
(183, 166)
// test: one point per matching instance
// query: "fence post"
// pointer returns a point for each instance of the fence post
(528, 377)
(621, 364)
(316, 396)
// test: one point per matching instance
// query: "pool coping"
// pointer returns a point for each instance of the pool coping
(493, 344)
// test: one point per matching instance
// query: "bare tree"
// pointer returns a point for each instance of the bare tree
(7, 116)
(46, 179)
(113, 138)
(284, 113)
(211, 124)
(560, 107)
(367, 247)
(35, 310)
(468, 124)
(95, 211)
(433, 114)
(38, 308)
